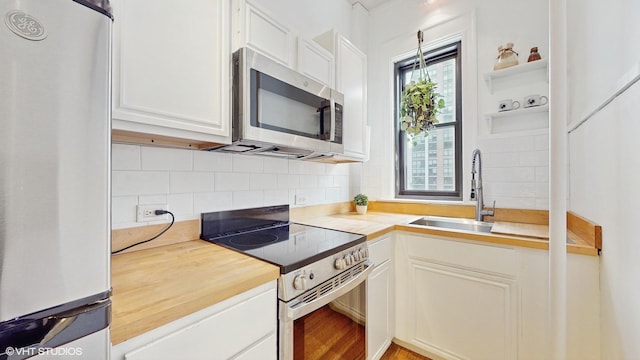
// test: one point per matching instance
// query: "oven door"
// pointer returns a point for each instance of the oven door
(328, 321)
(281, 106)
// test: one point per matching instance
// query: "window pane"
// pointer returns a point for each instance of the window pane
(438, 163)
(430, 167)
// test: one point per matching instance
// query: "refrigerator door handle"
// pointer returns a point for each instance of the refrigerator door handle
(63, 320)
(25, 336)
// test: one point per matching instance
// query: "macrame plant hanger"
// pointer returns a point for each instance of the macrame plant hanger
(419, 61)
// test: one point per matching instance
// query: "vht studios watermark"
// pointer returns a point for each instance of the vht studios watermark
(33, 351)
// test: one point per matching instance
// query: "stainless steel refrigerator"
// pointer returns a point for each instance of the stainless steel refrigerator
(55, 76)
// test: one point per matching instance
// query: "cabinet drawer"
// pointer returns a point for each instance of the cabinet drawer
(266, 349)
(221, 335)
(381, 249)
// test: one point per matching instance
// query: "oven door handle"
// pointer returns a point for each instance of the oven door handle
(303, 309)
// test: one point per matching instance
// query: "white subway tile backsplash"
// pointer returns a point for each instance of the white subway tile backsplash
(276, 166)
(191, 182)
(304, 167)
(248, 164)
(506, 144)
(325, 181)
(264, 181)
(232, 181)
(499, 159)
(334, 195)
(211, 161)
(315, 196)
(157, 158)
(182, 182)
(286, 181)
(542, 142)
(338, 169)
(513, 174)
(125, 157)
(276, 197)
(247, 199)
(181, 205)
(534, 158)
(152, 199)
(309, 181)
(506, 189)
(513, 202)
(139, 182)
(341, 181)
(215, 201)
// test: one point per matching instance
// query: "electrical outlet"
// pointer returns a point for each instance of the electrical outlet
(146, 213)
(301, 198)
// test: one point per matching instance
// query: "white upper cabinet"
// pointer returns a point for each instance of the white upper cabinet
(315, 62)
(258, 30)
(171, 68)
(351, 80)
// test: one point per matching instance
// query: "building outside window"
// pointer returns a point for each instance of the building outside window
(438, 156)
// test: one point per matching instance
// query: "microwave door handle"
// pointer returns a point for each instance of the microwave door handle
(332, 130)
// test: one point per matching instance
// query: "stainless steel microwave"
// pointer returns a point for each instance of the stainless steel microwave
(278, 111)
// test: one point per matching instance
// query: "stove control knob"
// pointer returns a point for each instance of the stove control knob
(363, 253)
(340, 264)
(356, 255)
(300, 282)
(348, 260)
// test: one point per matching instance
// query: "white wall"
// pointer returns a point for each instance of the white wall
(604, 161)
(191, 182)
(515, 163)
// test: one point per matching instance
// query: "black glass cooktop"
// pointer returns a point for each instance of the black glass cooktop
(265, 235)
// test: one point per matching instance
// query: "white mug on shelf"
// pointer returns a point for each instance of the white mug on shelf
(508, 104)
(535, 100)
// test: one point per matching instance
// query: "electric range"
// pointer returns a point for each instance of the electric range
(307, 255)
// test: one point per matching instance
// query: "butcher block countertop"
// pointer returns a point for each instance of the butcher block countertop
(374, 224)
(155, 286)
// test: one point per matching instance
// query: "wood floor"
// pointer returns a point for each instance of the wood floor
(331, 335)
(397, 352)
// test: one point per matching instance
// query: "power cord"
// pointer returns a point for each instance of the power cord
(157, 212)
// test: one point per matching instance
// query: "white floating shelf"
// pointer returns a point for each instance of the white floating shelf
(515, 70)
(515, 113)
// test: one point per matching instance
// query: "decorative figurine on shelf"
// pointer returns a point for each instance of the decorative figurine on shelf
(507, 57)
(533, 56)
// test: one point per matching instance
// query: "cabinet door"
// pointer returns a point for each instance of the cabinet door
(266, 35)
(315, 62)
(171, 67)
(457, 300)
(379, 310)
(351, 80)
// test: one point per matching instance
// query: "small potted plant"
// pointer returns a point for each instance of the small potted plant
(361, 202)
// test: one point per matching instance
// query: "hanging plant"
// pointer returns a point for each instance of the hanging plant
(420, 104)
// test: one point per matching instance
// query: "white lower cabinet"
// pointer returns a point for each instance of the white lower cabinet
(242, 327)
(380, 297)
(472, 300)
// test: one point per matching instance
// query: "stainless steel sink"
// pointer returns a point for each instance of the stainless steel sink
(454, 223)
